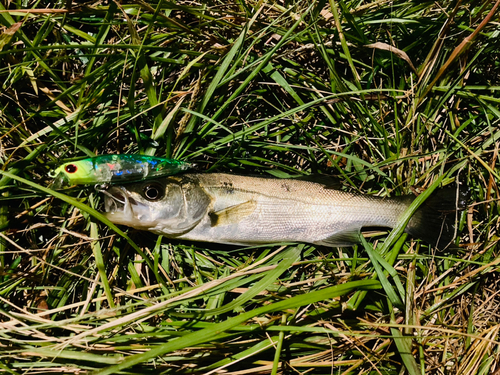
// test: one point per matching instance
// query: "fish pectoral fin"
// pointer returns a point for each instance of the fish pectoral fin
(233, 214)
(347, 237)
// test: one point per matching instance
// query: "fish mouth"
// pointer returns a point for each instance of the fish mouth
(114, 199)
(117, 204)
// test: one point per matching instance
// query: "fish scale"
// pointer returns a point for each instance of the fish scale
(243, 210)
(307, 219)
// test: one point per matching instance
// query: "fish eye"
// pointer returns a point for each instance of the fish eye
(71, 168)
(152, 192)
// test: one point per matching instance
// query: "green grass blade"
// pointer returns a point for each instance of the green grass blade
(404, 346)
(199, 337)
(291, 257)
(391, 293)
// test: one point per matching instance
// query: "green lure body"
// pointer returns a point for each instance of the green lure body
(112, 169)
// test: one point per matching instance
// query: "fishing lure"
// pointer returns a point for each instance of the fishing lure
(111, 169)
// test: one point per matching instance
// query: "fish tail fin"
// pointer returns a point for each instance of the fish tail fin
(435, 221)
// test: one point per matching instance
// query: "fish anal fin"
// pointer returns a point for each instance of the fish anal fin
(347, 237)
(233, 214)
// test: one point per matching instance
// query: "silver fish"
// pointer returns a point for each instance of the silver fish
(243, 210)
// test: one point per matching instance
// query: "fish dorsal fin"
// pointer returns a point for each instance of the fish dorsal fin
(328, 182)
(233, 214)
(347, 237)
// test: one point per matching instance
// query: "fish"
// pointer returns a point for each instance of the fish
(247, 211)
(110, 169)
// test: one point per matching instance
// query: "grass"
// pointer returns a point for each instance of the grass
(391, 97)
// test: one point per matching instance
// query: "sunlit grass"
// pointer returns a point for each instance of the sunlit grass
(391, 97)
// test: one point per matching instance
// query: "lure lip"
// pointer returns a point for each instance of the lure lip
(60, 180)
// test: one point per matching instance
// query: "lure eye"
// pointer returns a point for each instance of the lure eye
(71, 168)
(152, 192)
